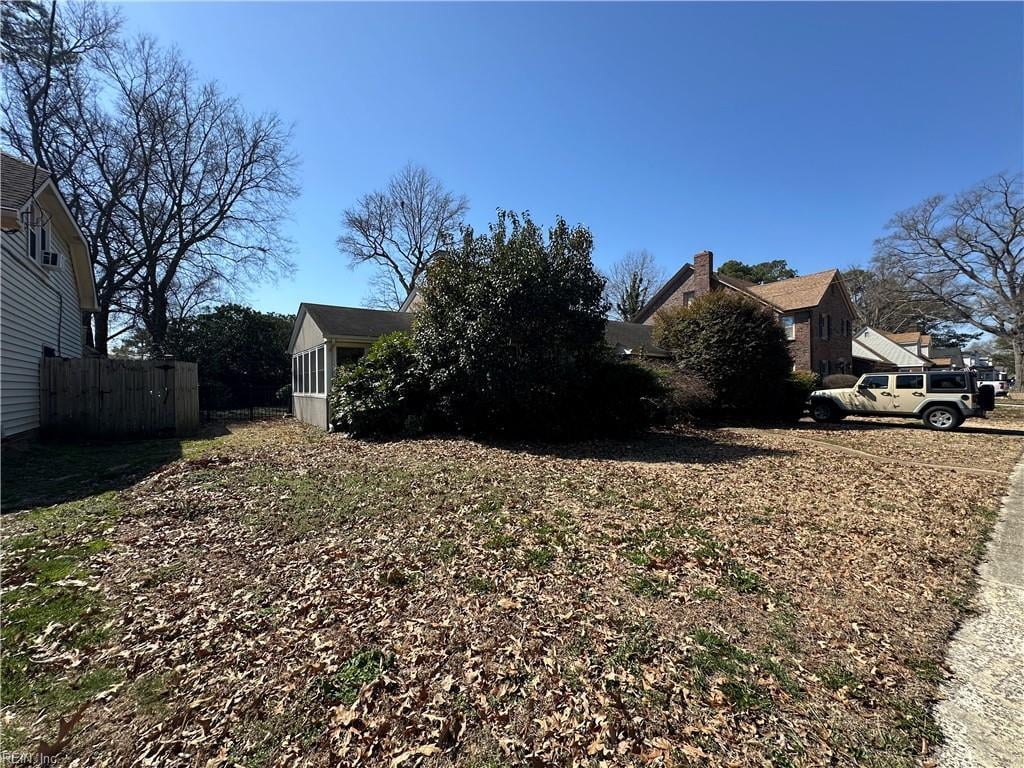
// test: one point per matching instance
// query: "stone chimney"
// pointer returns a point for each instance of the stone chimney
(703, 266)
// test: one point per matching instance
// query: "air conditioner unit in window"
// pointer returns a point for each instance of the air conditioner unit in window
(51, 258)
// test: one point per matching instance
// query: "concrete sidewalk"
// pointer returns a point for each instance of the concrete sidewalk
(982, 716)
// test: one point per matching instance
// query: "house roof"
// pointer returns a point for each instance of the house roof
(21, 180)
(910, 337)
(884, 348)
(355, 321)
(866, 353)
(783, 295)
(796, 292)
(633, 337)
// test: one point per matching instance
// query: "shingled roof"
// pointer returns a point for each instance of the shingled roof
(634, 337)
(354, 321)
(910, 337)
(19, 180)
(796, 292)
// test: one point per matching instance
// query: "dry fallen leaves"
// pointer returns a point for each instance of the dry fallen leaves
(701, 598)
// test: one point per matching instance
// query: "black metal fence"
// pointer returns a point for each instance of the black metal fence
(240, 402)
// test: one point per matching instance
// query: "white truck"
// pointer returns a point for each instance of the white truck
(941, 399)
(997, 380)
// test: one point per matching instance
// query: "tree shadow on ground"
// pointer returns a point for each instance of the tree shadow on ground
(698, 447)
(42, 472)
(974, 427)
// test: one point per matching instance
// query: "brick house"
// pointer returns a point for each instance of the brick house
(815, 310)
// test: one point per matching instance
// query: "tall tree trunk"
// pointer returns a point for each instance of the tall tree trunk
(101, 330)
(1017, 344)
(156, 323)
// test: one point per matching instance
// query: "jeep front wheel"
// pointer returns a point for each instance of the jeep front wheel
(942, 418)
(822, 410)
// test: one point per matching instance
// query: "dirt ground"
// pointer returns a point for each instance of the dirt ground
(278, 596)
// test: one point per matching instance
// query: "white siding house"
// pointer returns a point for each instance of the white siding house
(46, 284)
(324, 337)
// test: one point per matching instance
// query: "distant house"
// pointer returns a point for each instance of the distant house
(46, 287)
(326, 336)
(814, 310)
(875, 350)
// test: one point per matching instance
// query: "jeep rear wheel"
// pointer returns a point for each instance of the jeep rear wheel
(822, 410)
(943, 418)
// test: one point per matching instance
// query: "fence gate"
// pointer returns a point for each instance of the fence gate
(219, 401)
(97, 396)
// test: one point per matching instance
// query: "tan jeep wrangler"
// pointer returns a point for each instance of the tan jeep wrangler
(942, 399)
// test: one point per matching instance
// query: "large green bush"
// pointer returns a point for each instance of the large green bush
(508, 340)
(383, 393)
(797, 389)
(839, 381)
(737, 347)
(511, 335)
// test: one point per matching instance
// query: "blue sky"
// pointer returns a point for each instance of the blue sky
(758, 131)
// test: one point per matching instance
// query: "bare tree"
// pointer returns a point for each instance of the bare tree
(399, 229)
(180, 192)
(966, 253)
(212, 183)
(45, 48)
(886, 301)
(632, 282)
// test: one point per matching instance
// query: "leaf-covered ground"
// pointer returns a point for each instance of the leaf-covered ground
(278, 596)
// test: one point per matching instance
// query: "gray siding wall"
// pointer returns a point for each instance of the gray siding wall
(28, 321)
(309, 336)
(311, 409)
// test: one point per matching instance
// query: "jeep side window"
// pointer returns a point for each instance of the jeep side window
(914, 381)
(947, 382)
(875, 382)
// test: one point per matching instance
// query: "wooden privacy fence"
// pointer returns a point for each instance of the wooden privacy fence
(101, 397)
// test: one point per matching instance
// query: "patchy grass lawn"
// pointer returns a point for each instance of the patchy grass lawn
(277, 596)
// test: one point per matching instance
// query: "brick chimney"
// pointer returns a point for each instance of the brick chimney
(703, 266)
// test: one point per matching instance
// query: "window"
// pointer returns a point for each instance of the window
(309, 374)
(828, 323)
(910, 381)
(40, 246)
(821, 326)
(823, 368)
(688, 297)
(789, 326)
(320, 370)
(875, 382)
(49, 352)
(946, 382)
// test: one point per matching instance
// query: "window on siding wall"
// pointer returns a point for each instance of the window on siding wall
(309, 373)
(320, 370)
(789, 327)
